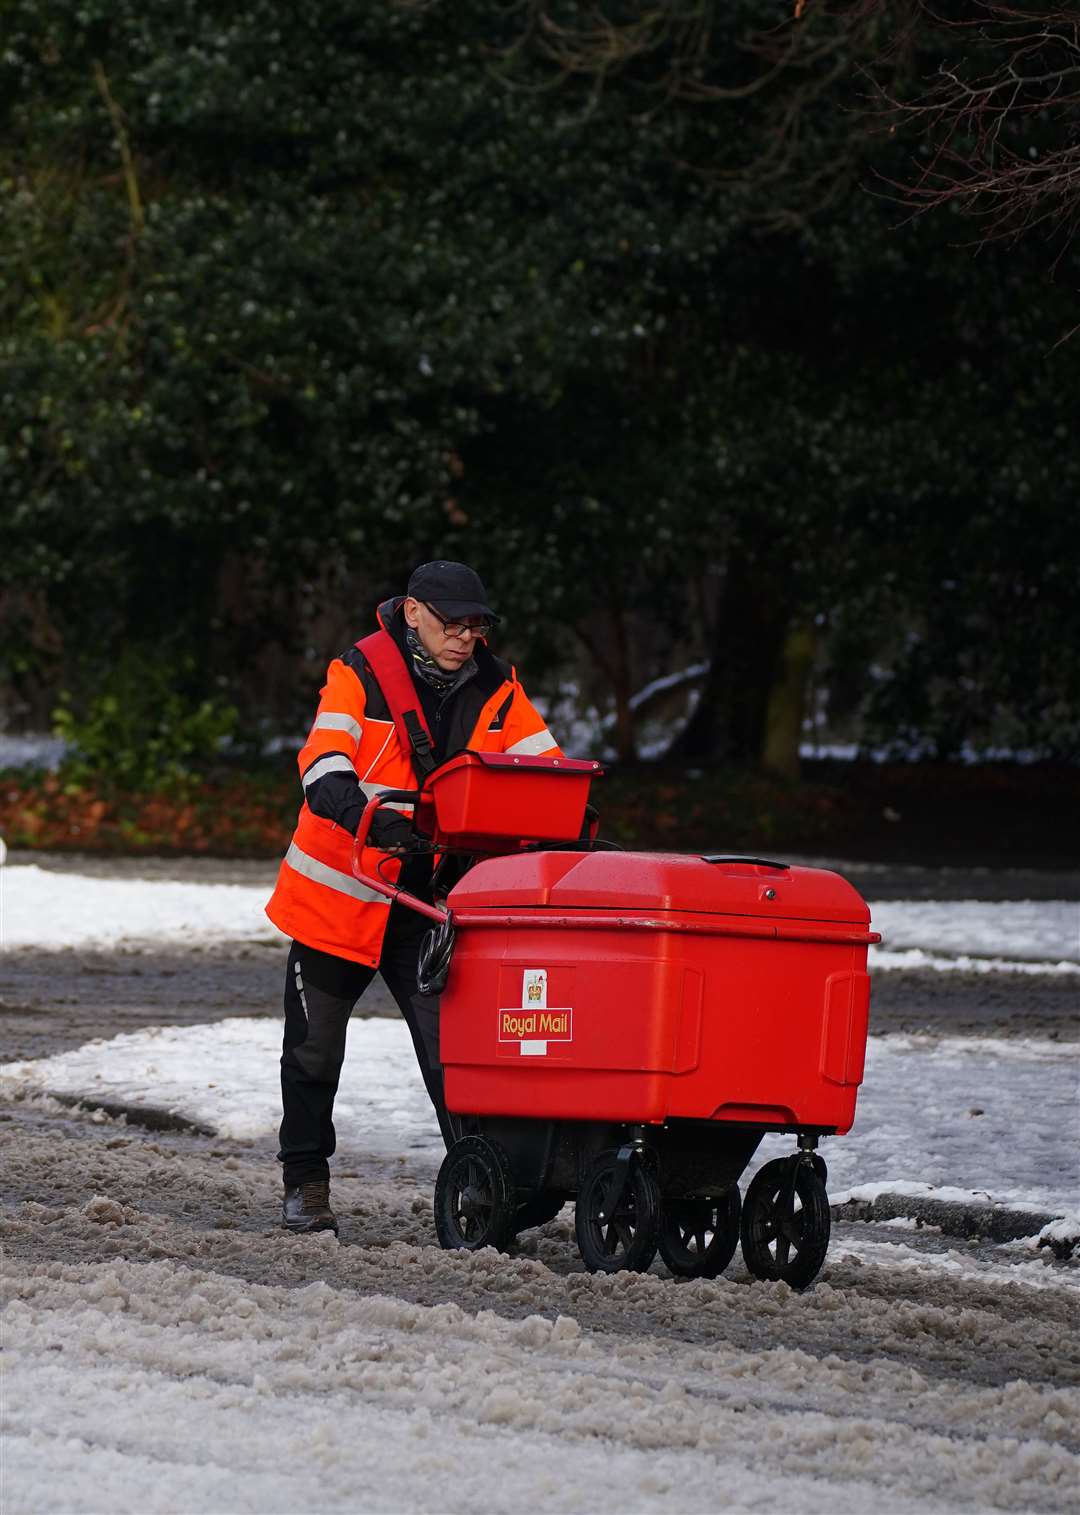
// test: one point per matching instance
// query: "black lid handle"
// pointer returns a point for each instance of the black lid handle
(761, 862)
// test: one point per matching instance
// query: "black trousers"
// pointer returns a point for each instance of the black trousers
(320, 993)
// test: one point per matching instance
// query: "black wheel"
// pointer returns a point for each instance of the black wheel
(474, 1196)
(819, 1167)
(698, 1237)
(785, 1227)
(538, 1210)
(624, 1235)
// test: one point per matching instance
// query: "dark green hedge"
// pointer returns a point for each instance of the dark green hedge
(289, 299)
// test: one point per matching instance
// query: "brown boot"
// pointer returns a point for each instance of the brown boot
(307, 1207)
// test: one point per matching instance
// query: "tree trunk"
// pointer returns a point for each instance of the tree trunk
(730, 720)
(614, 663)
(787, 702)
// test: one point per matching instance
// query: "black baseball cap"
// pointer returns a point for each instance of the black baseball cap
(454, 589)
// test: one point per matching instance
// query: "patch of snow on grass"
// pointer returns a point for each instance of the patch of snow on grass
(881, 959)
(968, 1119)
(225, 1076)
(43, 908)
(46, 908)
(1043, 931)
(32, 750)
(990, 1120)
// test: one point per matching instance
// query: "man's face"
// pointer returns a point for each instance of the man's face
(450, 646)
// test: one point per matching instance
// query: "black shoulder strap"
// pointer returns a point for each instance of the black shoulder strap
(385, 659)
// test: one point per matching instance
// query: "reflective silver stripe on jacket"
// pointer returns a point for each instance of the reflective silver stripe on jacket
(333, 878)
(371, 790)
(336, 720)
(533, 746)
(335, 763)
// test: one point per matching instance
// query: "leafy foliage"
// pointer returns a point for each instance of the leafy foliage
(290, 303)
(139, 731)
(218, 817)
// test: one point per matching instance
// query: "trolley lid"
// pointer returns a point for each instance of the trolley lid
(651, 881)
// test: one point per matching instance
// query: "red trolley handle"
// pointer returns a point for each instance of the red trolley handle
(391, 891)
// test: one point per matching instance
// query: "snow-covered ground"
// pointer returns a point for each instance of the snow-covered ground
(41, 907)
(166, 1349)
(992, 1119)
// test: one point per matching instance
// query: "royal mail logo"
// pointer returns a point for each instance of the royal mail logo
(534, 1023)
(517, 1025)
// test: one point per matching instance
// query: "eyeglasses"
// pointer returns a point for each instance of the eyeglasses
(460, 628)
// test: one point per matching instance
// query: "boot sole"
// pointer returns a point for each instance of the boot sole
(302, 1228)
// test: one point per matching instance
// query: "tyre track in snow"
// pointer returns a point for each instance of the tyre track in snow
(215, 1206)
(824, 1433)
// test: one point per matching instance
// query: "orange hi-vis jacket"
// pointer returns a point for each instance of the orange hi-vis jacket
(353, 752)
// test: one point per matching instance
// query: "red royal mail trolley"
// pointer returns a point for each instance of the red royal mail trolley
(622, 1028)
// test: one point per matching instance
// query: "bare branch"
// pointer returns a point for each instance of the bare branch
(999, 128)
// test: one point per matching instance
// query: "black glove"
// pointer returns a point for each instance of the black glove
(391, 831)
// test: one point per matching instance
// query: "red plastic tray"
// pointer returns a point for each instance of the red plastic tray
(492, 797)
